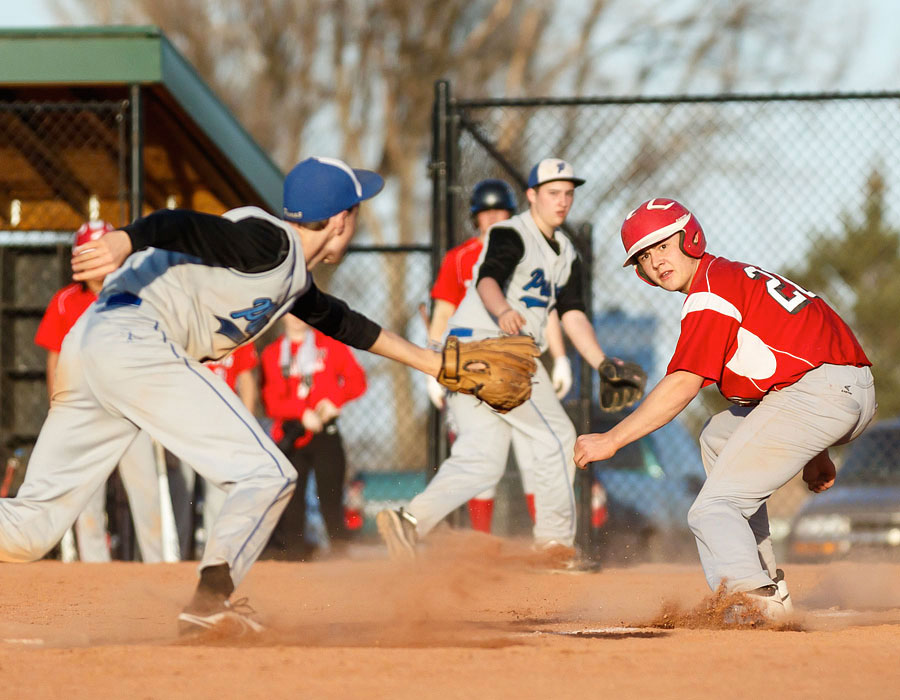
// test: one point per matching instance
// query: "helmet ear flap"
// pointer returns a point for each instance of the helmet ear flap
(643, 275)
(694, 246)
(681, 240)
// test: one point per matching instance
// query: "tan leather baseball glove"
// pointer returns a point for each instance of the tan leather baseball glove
(496, 370)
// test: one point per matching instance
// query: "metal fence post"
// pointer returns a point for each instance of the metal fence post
(441, 222)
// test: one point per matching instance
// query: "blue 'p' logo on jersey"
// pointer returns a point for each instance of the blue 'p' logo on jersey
(257, 316)
(539, 283)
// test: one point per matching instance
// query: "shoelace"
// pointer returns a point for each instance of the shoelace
(241, 606)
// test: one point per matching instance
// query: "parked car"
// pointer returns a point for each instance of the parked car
(640, 498)
(860, 515)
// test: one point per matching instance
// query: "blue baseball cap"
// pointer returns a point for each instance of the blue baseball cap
(318, 188)
(551, 170)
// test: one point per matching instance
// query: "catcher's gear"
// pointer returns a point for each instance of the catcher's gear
(621, 384)
(91, 231)
(654, 221)
(496, 370)
(492, 194)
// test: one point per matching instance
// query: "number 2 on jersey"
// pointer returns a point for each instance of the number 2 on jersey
(776, 286)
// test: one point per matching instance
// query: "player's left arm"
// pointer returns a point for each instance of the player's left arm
(574, 320)
(661, 405)
(580, 331)
(334, 318)
(561, 376)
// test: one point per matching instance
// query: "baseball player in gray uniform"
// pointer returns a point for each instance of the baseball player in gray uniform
(527, 268)
(185, 287)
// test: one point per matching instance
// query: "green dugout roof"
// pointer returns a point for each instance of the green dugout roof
(105, 64)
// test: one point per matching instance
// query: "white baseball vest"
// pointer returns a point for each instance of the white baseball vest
(532, 288)
(207, 309)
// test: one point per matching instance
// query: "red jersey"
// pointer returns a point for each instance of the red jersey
(64, 309)
(290, 386)
(456, 271)
(230, 368)
(750, 331)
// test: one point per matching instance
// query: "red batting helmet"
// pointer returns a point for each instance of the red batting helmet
(91, 231)
(654, 221)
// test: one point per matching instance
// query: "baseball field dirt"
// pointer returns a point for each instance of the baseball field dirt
(474, 617)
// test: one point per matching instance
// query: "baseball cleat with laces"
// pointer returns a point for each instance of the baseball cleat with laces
(234, 618)
(398, 530)
(764, 604)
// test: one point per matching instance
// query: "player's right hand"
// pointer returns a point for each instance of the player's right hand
(96, 259)
(511, 322)
(593, 447)
(435, 391)
(819, 473)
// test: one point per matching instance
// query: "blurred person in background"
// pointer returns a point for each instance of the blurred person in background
(307, 378)
(492, 201)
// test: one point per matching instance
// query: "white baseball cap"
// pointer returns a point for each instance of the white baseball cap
(550, 170)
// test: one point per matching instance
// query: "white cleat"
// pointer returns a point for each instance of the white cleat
(232, 617)
(783, 592)
(764, 602)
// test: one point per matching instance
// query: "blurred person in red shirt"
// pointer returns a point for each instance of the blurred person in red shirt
(138, 466)
(307, 378)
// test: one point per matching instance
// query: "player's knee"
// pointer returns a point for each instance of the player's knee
(24, 550)
(699, 513)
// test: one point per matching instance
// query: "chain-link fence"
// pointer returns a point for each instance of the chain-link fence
(802, 185)
(386, 429)
(49, 151)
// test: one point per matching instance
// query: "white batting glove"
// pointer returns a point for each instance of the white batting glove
(435, 391)
(562, 376)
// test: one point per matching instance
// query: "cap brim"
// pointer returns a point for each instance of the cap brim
(372, 183)
(577, 181)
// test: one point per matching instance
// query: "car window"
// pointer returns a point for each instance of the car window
(873, 459)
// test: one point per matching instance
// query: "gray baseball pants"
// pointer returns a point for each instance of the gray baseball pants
(750, 452)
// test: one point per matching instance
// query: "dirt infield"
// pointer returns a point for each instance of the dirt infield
(474, 618)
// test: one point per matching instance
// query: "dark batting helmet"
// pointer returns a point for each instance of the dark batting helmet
(493, 194)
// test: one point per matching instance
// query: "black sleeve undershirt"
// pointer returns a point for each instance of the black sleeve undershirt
(505, 250)
(334, 318)
(569, 297)
(248, 245)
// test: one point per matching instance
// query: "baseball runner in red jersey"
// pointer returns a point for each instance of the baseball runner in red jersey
(528, 267)
(137, 467)
(798, 378)
(184, 288)
(491, 201)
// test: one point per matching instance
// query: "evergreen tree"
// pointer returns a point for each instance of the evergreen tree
(857, 271)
